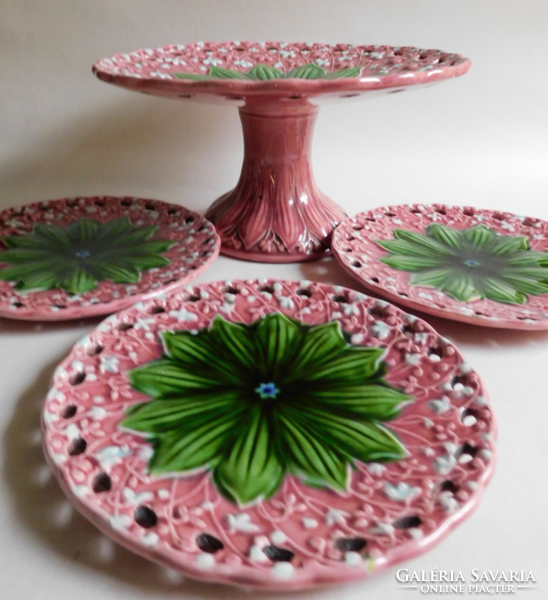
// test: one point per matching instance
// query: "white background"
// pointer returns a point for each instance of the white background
(480, 140)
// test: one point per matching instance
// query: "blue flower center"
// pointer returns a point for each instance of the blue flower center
(267, 390)
(83, 253)
(472, 263)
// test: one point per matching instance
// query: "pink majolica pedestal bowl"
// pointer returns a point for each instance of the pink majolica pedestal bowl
(270, 434)
(276, 213)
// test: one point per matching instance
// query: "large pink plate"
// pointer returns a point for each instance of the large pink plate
(505, 281)
(303, 535)
(169, 244)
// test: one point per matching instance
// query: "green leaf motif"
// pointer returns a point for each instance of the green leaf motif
(253, 403)
(191, 76)
(76, 258)
(310, 71)
(220, 73)
(469, 264)
(251, 466)
(262, 72)
(349, 72)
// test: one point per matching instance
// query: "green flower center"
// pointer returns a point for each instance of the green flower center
(77, 257)
(469, 264)
(267, 390)
(216, 405)
(472, 263)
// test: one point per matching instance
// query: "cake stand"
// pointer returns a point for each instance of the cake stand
(276, 213)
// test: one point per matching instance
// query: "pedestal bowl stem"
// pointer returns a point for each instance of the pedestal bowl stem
(276, 213)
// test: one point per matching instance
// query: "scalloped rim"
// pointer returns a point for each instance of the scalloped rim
(425, 306)
(168, 557)
(44, 313)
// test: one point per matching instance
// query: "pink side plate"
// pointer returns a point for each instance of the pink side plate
(276, 213)
(516, 293)
(182, 242)
(303, 535)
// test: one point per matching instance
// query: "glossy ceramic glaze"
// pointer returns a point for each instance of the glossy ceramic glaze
(78, 257)
(482, 267)
(276, 213)
(246, 504)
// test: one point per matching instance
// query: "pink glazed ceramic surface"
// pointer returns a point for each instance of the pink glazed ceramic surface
(270, 434)
(482, 267)
(79, 257)
(276, 213)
